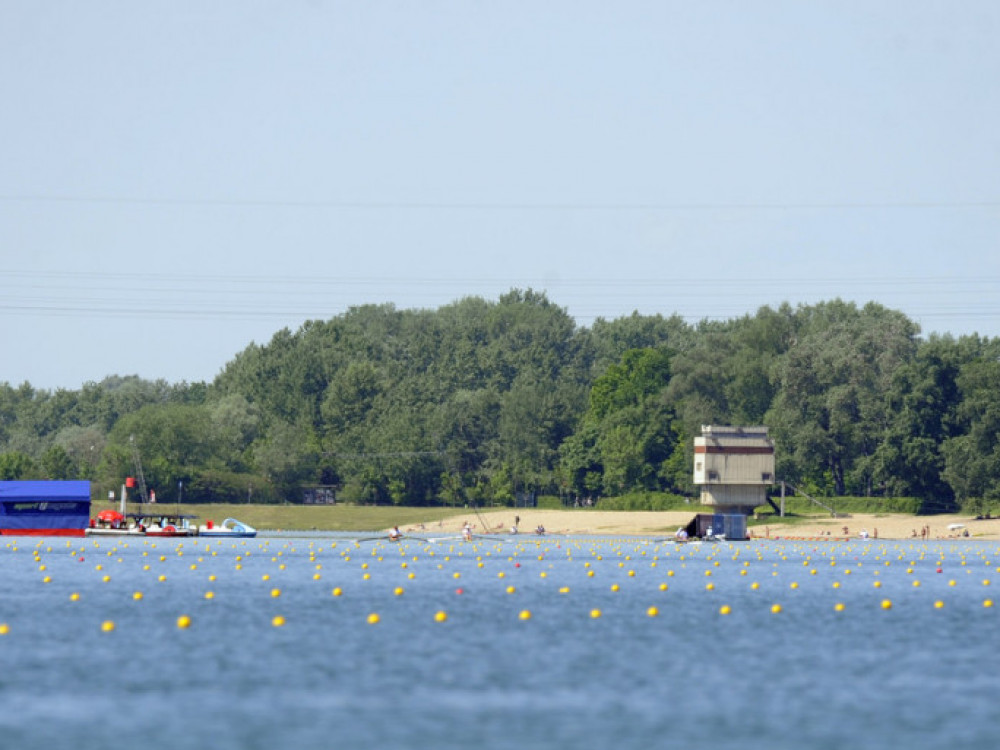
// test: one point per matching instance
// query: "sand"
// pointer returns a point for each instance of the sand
(625, 523)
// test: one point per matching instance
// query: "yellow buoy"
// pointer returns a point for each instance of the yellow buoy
(652, 611)
(938, 604)
(137, 595)
(440, 616)
(886, 604)
(184, 621)
(776, 608)
(839, 607)
(595, 613)
(4, 628)
(209, 594)
(337, 592)
(277, 621)
(275, 593)
(524, 614)
(725, 609)
(373, 618)
(107, 626)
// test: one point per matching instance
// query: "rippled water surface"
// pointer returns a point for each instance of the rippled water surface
(908, 660)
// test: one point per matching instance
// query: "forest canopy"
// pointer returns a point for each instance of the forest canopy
(479, 400)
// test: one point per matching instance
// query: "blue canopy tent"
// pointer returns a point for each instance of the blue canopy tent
(44, 508)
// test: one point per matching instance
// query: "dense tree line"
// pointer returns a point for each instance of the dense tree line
(479, 400)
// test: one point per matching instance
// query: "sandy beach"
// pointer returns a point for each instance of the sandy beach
(611, 523)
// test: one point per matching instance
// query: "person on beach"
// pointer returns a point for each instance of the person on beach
(467, 531)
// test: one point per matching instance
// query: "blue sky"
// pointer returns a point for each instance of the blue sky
(179, 179)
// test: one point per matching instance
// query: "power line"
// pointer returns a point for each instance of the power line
(491, 205)
(291, 300)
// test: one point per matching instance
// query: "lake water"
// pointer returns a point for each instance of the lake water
(921, 673)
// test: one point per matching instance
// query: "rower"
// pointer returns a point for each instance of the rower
(395, 535)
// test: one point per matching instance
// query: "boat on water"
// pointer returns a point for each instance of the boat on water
(149, 520)
(228, 528)
(113, 523)
(165, 524)
(44, 508)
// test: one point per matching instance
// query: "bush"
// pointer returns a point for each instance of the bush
(976, 506)
(804, 506)
(214, 486)
(646, 501)
(550, 502)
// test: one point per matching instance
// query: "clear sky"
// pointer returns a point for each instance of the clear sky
(181, 178)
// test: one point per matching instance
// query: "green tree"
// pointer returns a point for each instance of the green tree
(831, 412)
(972, 457)
(15, 466)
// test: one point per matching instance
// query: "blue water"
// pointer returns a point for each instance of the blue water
(915, 675)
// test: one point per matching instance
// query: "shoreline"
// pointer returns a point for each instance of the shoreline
(891, 526)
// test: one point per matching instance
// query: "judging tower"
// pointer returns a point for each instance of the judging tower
(734, 467)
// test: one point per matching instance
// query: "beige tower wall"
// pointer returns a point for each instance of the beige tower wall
(733, 465)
